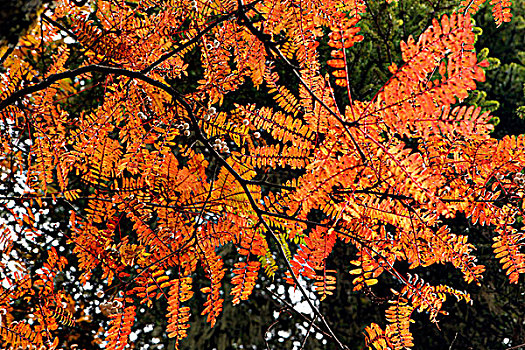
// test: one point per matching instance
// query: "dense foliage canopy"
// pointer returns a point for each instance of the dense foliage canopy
(162, 159)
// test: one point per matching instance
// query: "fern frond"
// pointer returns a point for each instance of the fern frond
(443, 246)
(6, 238)
(507, 247)
(368, 268)
(63, 316)
(325, 284)
(120, 328)
(221, 125)
(424, 297)
(45, 164)
(95, 40)
(269, 264)
(282, 127)
(288, 49)
(470, 6)
(245, 276)
(20, 334)
(460, 120)
(274, 156)
(213, 265)
(284, 98)
(253, 242)
(342, 36)
(180, 291)
(376, 338)
(399, 317)
(501, 11)
(412, 93)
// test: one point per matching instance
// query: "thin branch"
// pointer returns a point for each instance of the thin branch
(270, 328)
(453, 341)
(308, 333)
(300, 314)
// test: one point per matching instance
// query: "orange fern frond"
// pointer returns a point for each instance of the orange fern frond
(282, 127)
(376, 338)
(342, 37)
(325, 284)
(180, 291)
(412, 92)
(95, 40)
(470, 6)
(284, 98)
(221, 125)
(245, 275)
(274, 156)
(501, 11)
(120, 328)
(424, 297)
(252, 242)
(63, 316)
(507, 249)
(399, 316)
(20, 334)
(213, 265)
(369, 268)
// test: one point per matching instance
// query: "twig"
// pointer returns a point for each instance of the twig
(307, 333)
(303, 316)
(453, 341)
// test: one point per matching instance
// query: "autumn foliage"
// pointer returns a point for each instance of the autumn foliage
(137, 131)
